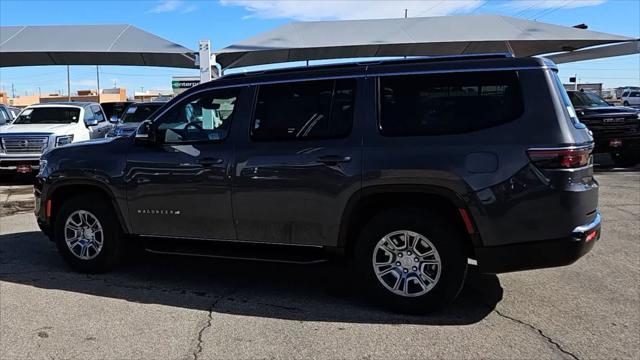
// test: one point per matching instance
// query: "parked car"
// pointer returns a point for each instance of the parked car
(630, 98)
(616, 129)
(133, 116)
(46, 126)
(7, 114)
(407, 168)
(114, 110)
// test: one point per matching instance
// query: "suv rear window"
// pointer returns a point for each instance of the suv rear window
(320, 109)
(448, 103)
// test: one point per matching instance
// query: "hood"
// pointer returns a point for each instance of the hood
(606, 111)
(58, 129)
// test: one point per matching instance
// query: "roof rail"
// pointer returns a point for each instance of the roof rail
(387, 60)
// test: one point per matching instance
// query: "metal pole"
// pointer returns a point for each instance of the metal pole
(98, 81)
(575, 84)
(68, 85)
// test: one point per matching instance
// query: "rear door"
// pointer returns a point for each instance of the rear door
(299, 163)
(103, 126)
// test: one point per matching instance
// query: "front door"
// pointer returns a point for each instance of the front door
(178, 182)
(299, 164)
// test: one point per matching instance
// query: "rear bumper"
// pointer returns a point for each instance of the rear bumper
(617, 144)
(540, 254)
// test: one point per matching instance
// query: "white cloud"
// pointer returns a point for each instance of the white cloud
(548, 4)
(166, 6)
(188, 9)
(351, 9)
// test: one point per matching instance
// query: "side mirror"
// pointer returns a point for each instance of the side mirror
(114, 119)
(91, 122)
(143, 133)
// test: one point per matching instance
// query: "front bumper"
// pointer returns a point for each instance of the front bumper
(540, 254)
(11, 163)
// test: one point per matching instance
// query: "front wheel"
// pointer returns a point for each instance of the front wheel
(626, 103)
(411, 260)
(88, 235)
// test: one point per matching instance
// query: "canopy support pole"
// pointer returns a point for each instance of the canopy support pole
(98, 82)
(68, 84)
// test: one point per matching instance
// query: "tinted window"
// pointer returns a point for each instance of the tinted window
(139, 112)
(448, 103)
(635, 94)
(48, 115)
(304, 110)
(97, 112)
(201, 117)
(585, 99)
(4, 116)
(625, 94)
(88, 113)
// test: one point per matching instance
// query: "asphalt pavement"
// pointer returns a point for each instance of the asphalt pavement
(164, 307)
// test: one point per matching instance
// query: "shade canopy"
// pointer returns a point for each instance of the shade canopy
(426, 36)
(626, 48)
(89, 45)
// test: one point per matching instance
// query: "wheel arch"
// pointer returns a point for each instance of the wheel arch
(60, 191)
(369, 201)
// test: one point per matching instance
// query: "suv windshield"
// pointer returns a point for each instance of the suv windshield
(139, 112)
(49, 115)
(585, 99)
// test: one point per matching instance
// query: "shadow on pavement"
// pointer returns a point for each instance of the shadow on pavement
(16, 179)
(324, 292)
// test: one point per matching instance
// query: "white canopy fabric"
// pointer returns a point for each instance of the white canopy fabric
(426, 36)
(89, 45)
(626, 48)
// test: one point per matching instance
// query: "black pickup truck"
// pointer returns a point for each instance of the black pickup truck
(616, 129)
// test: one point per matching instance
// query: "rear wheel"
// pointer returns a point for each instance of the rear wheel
(411, 260)
(626, 103)
(88, 235)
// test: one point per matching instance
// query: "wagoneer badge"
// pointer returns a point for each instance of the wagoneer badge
(158, 212)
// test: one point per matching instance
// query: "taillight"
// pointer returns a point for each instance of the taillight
(561, 158)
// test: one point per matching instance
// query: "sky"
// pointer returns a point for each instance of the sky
(226, 22)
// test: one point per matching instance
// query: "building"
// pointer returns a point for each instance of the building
(151, 95)
(106, 95)
(4, 99)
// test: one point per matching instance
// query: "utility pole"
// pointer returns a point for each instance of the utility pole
(13, 91)
(575, 85)
(405, 13)
(98, 82)
(39, 92)
(68, 84)
(141, 88)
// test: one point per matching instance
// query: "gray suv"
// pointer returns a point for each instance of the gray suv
(411, 170)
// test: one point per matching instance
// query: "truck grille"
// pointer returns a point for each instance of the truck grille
(24, 144)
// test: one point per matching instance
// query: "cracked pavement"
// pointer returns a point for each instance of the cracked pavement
(163, 307)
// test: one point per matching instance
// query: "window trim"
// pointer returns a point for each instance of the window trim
(154, 122)
(334, 80)
(378, 106)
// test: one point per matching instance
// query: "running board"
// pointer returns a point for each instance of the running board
(237, 251)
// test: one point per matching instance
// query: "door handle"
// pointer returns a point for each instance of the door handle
(333, 159)
(208, 161)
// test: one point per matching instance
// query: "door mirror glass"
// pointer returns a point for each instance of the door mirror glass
(91, 122)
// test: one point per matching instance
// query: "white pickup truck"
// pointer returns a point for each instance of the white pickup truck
(44, 126)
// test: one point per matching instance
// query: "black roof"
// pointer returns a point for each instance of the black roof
(354, 69)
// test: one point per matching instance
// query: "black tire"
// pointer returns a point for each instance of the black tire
(111, 253)
(626, 103)
(625, 159)
(440, 231)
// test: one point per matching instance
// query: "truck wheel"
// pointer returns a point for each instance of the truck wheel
(88, 235)
(625, 159)
(411, 260)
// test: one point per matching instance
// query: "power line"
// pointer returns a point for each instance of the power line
(552, 10)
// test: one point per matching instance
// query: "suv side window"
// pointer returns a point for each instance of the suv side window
(625, 94)
(205, 116)
(436, 104)
(88, 113)
(4, 116)
(321, 109)
(97, 111)
(634, 94)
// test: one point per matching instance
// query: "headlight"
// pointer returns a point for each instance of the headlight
(64, 140)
